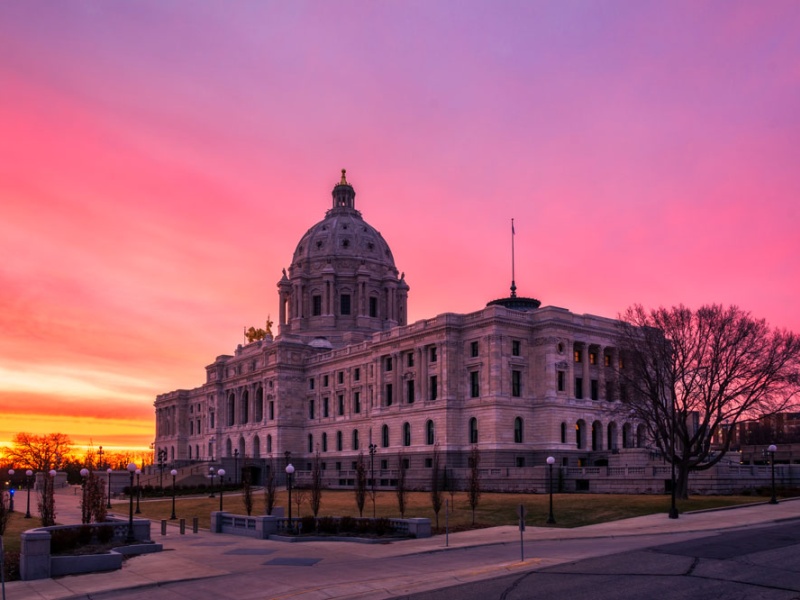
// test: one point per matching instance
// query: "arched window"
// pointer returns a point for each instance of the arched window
(211, 450)
(324, 442)
(190, 453)
(626, 435)
(430, 438)
(385, 436)
(580, 434)
(228, 447)
(269, 443)
(197, 451)
(245, 416)
(473, 430)
(612, 436)
(310, 443)
(597, 436)
(339, 441)
(242, 448)
(355, 439)
(231, 410)
(518, 430)
(259, 407)
(563, 433)
(406, 434)
(640, 436)
(256, 447)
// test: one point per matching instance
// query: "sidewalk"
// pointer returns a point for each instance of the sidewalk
(268, 569)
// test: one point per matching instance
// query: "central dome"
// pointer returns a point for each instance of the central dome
(342, 277)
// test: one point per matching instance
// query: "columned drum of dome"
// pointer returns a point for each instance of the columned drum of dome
(342, 279)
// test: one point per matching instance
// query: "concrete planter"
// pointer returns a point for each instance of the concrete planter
(87, 563)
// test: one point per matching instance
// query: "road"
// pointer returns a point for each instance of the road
(754, 563)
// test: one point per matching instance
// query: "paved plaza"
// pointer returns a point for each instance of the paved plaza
(206, 565)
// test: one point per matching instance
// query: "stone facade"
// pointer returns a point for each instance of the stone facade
(345, 371)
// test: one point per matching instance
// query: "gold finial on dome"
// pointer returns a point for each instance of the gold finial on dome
(344, 179)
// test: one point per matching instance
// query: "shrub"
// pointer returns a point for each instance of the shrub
(84, 535)
(382, 526)
(63, 540)
(308, 524)
(347, 524)
(11, 566)
(363, 526)
(327, 525)
(105, 533)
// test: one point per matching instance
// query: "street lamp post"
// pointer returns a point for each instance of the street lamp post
(100, 458)
(772, 449)
(130, 539)
(28, 475)
(289, 471)
(551, 520)
(221, 473)
(173, 473)
(108, 470)
(138, 490)
(10, 491)
(212, 474)
(84, 508)
(373, 448)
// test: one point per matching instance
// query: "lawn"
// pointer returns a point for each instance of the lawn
(571, 510)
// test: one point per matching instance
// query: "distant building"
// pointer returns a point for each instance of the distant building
(346, 372)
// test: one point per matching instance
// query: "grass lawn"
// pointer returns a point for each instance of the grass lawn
(17, 523)
(571, 510)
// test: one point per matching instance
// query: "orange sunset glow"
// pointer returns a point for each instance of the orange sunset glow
(160, 161)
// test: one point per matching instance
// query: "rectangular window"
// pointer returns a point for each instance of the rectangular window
(357, 402)
(561, 377)
(340, 376)
(433, 387)
(473, 349)
(344, 304)
(211, 419)
(357, 374)
(428, 463)
(594, 389)
(520, 461)
(433, 354)
(311, 383)
(610, 396)
(338, 466)
(387, 363)
(592, 358)
(316, 306)
(474, 384)
(410, 359)
(607, 360)
(384, 464)
(579, 387)
(324, 407)
(410, 391)
(577, 356)
(340, 404)
(373, 307)
(516, 383)
(389, 398)
(310, 409)
(515, 348)
(324, 381)
(271, 410)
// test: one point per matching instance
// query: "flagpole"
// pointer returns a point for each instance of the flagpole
(513, 284)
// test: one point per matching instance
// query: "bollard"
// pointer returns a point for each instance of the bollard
(163, 527)
(195, 525)
(183, 526)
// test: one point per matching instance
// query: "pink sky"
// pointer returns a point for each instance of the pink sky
(159, 161)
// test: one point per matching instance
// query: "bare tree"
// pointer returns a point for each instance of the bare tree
(47, 503)
(474, 491)
(691, 376)
(95, 497)
(361, 484)
(450, 485)
(316, 483)
(300, 495)
(436, 484)
(5, 513)
(401, 491)
(270, 488)
(247, 492)
(38, 452)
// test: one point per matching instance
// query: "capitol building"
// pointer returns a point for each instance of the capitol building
(345, 373)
